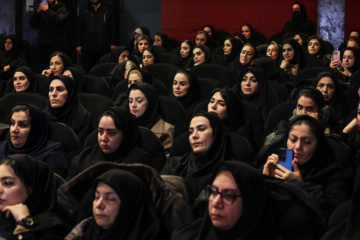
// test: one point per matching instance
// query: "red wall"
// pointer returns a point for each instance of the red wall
(352, 16)
(181, 19)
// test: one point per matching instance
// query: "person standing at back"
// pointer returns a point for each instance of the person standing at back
(97, 32)
(50, 20)
(299, 22)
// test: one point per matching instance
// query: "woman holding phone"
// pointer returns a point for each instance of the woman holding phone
(313, 161)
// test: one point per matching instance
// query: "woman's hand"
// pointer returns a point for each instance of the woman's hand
(285, 174)
(6, 68)
(334, 64)
(346, 71)
(46, 72)
(353, 126)
(18, 211)
(284, 64)
(270, 165)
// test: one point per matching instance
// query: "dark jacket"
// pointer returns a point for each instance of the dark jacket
(97, 30)
(51, 25)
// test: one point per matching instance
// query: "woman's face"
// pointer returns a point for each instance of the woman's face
(348, 59)
(134, 78)
(199, 56)
(109, 137)
(124, 56)
(106, 205)
(19, 129)
(272, 52)
(184, 50)
(142, 45)
(224, 216)
(56, 65)
(314, 47)
(137, 102)
(147, 58)
(245, 31)
(227, 47)
(298, 39)
(208, 30)
(288, 52)
(307, 106)
(181, 85)
(217, 105)
(200, 39)
(327, 87)
(200, 135)
(58, 94)
(157, 41)
(12, 190)
(352, 44)
(246, 55)
(8, 44)
(303, 142)
(249, 84)
(21, 82)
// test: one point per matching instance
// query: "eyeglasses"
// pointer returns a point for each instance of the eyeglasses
(227, 196)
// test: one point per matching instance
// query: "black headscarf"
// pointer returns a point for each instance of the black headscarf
(78, 78)
(236, 67)
(137, 217)
(114, 54)
(151, 114)
(129, 150)
(154, 52)
(356, 53)
(197, 168)
(264, 99)
(257, 218)
(41, 200)
(299, 57)
(191, 45)
(236, 48)
(72, 113)
(30, 75)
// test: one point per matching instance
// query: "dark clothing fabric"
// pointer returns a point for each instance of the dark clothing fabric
(38, 144)
(30, 75)
(195, 168)
(72, 113)
(299, 22)
(97, 30)
(78, 77)
(51, 25)
(129, 150)
(41, 202)
(257, 218)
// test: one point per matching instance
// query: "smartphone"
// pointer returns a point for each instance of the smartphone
(286, 157)
(336, 56)
(43, 1)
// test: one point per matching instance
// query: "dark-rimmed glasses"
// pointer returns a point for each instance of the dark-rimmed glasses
(227, 196)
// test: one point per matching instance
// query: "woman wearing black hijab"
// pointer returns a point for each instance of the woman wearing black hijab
(313, 161)
(24, 80)
(210, 145)
(334, 95)
(299, 22)
(251, 36)
(13, 56)
(32, 216)
(65, 107)
(118, 55)
(292, 58)
(77, 76)
(118, 141)
(186, 90)
(201, 54)
(29, 134)
(247, 54)
(122, 209)
(254, 87)
(229, 108)
(232, 48)
(186, 51)
(144, 104)
(239, 207)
